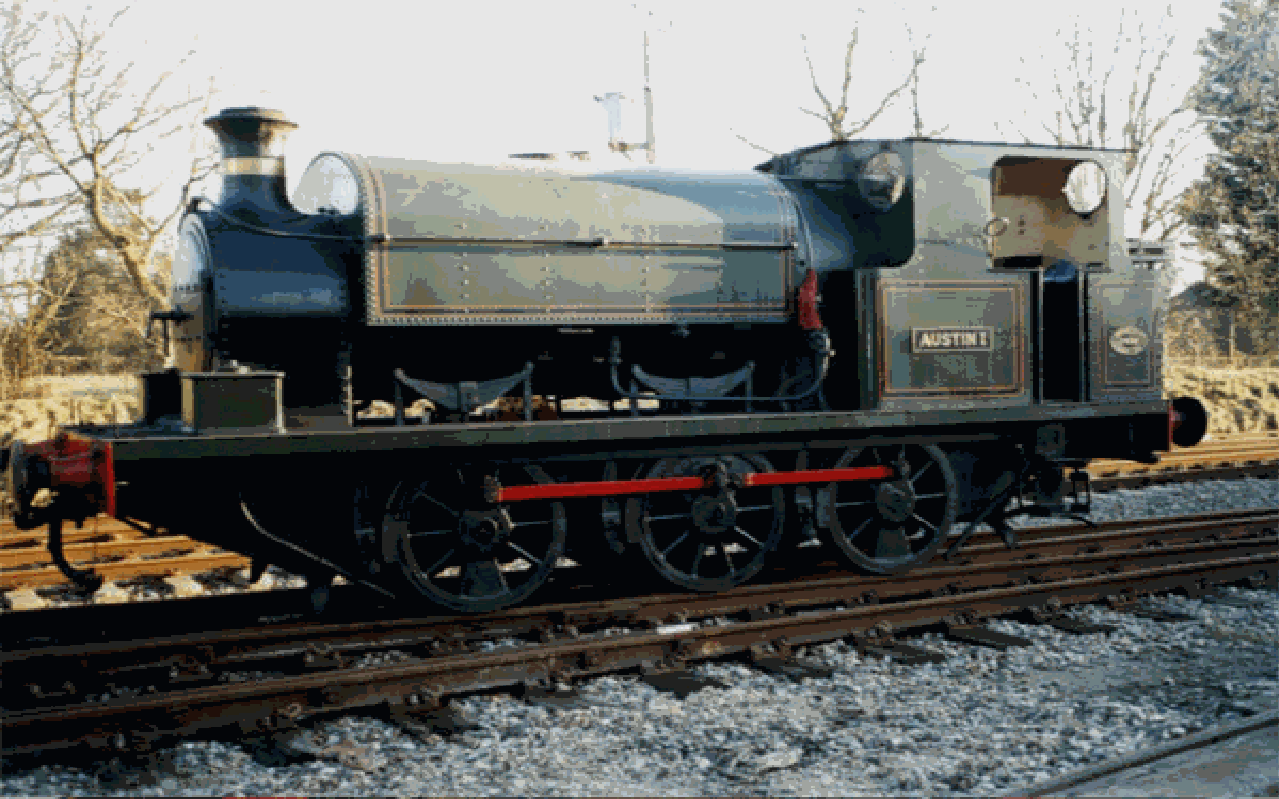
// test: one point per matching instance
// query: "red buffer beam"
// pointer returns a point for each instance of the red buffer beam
(613, 488)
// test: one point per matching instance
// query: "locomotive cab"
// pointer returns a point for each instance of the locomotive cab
(1051, 218)
(983, 275)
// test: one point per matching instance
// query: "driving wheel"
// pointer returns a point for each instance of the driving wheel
(456, 550)
(891, 526)
(712, 539)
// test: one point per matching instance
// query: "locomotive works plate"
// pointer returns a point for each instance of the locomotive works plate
(1129, 340)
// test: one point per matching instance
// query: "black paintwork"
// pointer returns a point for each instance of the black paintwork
(944, 334)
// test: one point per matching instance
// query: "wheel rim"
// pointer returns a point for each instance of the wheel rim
(472, 560)
(706, 541)
(891, 526)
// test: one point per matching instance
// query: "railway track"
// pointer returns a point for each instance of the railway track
(1200, 763)
(1225, 459)
(119, 552)
(137, 693)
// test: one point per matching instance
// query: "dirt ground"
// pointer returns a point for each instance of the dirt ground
(1238, 401)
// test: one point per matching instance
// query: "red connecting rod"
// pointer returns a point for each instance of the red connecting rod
(613, 488)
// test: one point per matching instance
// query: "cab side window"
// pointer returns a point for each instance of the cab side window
(1057, 209)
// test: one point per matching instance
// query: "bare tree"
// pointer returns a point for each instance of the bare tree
(71, 310)
(33, 300)
(72, 136)
(1098, 107)
(836, 116)
(103, 322)
(918, 55)
(26, 207)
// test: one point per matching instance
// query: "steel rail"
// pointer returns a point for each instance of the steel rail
(1183, 461)
(984, 565)
(194, 557)
(100, 548)
(1142, 479)
(118, 551)
(183, 659)
(281, 701)
(1132, 761)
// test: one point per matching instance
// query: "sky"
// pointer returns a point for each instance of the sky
(477, 81)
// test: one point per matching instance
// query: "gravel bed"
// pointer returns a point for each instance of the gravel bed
(979, 723)
(1172, 499)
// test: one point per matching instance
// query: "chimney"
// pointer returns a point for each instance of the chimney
(252, 168)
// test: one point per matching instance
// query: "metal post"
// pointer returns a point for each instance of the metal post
(1230, 343)
(649, 141)
(528, 397)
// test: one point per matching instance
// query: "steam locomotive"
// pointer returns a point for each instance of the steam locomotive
(861, 343)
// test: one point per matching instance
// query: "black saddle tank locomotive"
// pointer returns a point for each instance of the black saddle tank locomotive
(872, 344)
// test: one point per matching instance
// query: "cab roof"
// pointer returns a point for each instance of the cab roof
(772, 164)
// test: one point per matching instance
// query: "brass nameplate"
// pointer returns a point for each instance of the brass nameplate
(948, 339)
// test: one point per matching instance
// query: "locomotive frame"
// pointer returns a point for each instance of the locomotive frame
(984, 334)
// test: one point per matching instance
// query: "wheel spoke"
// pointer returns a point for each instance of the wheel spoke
(697, 560)
(668, 517)
(484, 575)
(920, 473)
(931, 496)
(745, 508)
(431, 532)
(523, 553)
(667, 551)
(541, 523)
(435, 501)
(748, 537)
(924, 522)
(849, 504)
(436, 567)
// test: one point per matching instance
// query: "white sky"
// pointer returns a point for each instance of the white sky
(475, 81)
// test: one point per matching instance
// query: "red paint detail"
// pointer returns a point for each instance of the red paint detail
(819, 476)
(807, 302)
(106, 473)
(70, 461)
(604, 488)
(612, 488)
(1174, 421)
(80, 464)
